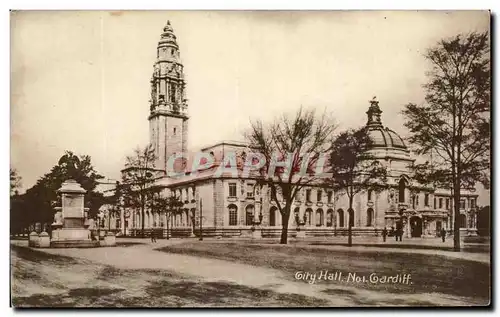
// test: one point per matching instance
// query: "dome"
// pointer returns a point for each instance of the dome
(381, 137)
(385, 137)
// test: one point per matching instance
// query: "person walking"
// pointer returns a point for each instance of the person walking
(443, 234)
(384, 233)
(153, 236)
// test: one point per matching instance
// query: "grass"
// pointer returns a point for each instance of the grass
(44, 280)
(430, 274)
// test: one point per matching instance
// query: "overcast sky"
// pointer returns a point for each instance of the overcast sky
(80, 80)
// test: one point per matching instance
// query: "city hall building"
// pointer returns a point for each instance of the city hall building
(234, 207)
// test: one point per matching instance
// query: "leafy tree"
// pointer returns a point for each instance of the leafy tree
(454, 123)
(138, 176)
(15, 182)
(168, 205)
(354, 168)
(301, 139)
(39, 201)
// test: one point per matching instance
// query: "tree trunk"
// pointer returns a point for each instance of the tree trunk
(349, 226)
(284, 220)
(456, 198)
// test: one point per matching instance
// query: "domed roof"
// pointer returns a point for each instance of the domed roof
(381, 136)
(385, 137)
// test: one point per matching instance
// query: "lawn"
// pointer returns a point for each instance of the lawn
(44, 280)
(467, 281)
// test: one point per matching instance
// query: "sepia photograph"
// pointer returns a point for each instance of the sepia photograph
(250, 159)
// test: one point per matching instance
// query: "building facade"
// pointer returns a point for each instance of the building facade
(228, 206)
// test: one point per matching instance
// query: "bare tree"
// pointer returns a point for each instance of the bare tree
(138, 176)
(298, 139)
(454, 123)
(354, 168)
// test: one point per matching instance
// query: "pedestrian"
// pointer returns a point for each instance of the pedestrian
(443, 234)
(153, 239)
(384, 233)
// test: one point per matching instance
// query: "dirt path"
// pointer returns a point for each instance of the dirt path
(143, 256)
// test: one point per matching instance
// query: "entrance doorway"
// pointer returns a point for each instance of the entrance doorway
(416, 227)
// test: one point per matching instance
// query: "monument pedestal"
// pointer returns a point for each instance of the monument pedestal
(69, 230)
(301, 232)
(257, 233)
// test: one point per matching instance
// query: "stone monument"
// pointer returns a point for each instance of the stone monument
(68, 229)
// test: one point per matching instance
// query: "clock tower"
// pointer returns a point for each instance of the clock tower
(168, 118)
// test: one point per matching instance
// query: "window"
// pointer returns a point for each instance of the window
(330, 196)
(472, 203)
(329, 218)
(351, 217)
(413, 200)
(440, 203)
(462, 203)
(232, 189)
(233, 215)
(319, 217)
(272, 216)
(340, 218)
(249, 215)
(369, 217)
(426, 200)
(370, 194)
(175, 131)
(434, 202)
(308, 195)
(462, 221)
(447, 203)
(250, 190)
(309, 214)
(418, 200)
(402, 186)
(319, 193)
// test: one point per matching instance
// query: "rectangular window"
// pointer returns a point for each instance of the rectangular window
(249, 190)
(472, 203)
(440, 203)
(447, 203)
(418, 200)
(426, 200)
(308, 195)
(370, 194)
(434, 202)
(462, 203)
(319, 193)
(232, 189)
(330, 196)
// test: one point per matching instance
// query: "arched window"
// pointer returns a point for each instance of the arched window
(402, 186)
(272, 216)
(309, 214)
(329, 218)
(233, 215)
(340, 218)
(319, 217)
(463, 221)
(296, 215)
(369, 217)
(249, 215)
(351, 217)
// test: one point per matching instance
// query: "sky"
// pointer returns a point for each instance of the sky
(80, 79)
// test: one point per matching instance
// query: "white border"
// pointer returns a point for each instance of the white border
(190, 5)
